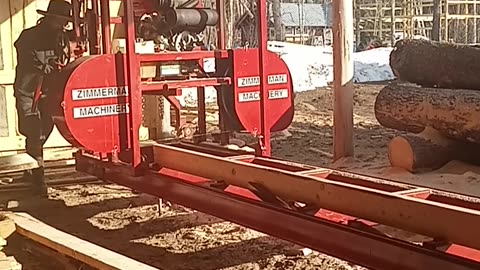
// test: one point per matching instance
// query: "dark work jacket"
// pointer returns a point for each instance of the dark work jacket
(37, 48)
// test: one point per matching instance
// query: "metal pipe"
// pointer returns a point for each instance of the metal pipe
(76, 18)
(106, 33)
(220, 7)
(93, 28)
(191, 18)
(221, 44)
(262, 55)
(133, 83)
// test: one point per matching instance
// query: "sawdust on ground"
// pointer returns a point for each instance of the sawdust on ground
(182, 239)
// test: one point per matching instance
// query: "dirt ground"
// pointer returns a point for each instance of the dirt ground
(182, 239)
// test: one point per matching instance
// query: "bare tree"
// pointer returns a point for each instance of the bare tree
(277, 20)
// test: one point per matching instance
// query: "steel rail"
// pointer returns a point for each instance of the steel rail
(447, 222)
(359, 247)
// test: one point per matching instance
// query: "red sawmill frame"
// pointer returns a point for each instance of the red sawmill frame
(98, 17)
(350, 233)
(354, 239)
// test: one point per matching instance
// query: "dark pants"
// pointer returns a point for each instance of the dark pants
(36, 127)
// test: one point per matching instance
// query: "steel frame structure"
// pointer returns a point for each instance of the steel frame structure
(354, 239)
(100, 15)
(242, 187)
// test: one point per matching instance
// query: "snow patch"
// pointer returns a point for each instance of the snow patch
(311, 67)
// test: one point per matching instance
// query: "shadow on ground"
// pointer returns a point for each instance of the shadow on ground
(132, 226)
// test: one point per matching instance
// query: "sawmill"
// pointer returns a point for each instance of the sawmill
(98, 101)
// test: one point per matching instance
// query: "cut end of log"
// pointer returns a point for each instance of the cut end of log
(429, 151)
(401, 154)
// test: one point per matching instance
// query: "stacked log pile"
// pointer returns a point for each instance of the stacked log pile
(436, 101)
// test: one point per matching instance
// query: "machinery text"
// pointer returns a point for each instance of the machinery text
(95, 93)
(255, 96)
(101, 110)
(255, 81)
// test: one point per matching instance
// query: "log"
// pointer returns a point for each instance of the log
(407, 107)
(428, 151)
(436, 64)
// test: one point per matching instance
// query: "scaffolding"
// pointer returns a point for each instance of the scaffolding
(458, 20)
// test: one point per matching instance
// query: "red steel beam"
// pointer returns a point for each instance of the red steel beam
(176, 84)
(181, 56)
(454, 224)
(106, 33)
(221, 27)
(359, 247)
(265, 146)
(133, 82)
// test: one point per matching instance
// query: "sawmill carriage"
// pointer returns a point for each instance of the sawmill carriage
(97, 107)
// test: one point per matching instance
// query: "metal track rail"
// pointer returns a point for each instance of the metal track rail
(313, 229)
(411, 210)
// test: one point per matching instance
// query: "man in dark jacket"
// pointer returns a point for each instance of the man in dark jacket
(40, 53)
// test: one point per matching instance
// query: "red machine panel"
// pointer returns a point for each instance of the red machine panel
(247, 91)
(94, 103)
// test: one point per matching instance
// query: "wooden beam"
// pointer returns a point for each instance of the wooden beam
(343, 79)
(69, 245)
(7, 227)
(451, 223)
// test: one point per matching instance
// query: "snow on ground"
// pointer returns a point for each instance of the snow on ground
(312, 67)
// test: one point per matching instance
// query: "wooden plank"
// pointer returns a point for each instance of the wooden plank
(9, 263)
(81, 250)
(16, 163)
(7, 228)
(3, 112)
(342, 79)
(451, 223)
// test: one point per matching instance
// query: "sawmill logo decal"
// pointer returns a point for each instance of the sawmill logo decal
(101, 110)
(98, 93)
(255, 96)
(255, 81)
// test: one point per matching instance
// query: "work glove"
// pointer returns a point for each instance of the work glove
(46, 61)
(47, 68)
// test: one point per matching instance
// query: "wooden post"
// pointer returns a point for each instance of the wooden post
(392, 25)
(466, 24)
(342, 79)
(446, 38)
(475, 17)
(436, 20)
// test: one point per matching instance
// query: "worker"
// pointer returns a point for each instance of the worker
(40, 52)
